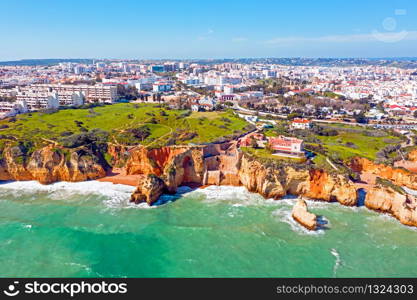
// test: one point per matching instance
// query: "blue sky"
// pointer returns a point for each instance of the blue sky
(207, 29)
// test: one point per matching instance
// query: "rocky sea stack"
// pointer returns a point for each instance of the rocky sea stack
(301, 214)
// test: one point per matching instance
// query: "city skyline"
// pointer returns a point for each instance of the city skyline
(185, 30)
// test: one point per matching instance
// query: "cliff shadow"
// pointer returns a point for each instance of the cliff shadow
(6, 181)
(361, 197)
(322, 223)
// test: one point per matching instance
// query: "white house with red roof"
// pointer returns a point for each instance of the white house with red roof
(300, 123)
(287, 145)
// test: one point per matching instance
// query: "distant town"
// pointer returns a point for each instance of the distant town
(374, 93)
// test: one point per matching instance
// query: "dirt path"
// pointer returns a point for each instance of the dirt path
(124, 127)
(162, 136)
(50, 141)
(331, 164)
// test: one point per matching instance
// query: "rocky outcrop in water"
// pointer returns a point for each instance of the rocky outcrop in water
(301, 214)
(401, 205)
(150, 187)
(51, 164)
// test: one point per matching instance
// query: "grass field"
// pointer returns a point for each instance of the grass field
(350, 141)
(117, 119)
(363, 145)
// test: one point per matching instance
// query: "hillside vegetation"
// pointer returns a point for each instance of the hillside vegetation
(151, 125)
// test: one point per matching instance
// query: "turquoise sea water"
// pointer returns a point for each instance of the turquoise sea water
(89, 229)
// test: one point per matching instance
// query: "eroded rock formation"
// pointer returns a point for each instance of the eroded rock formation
(387, 200)
(223, 164)
(301, 214)
(398, 176)
(166, 168)
(150, 187)
(50, 164)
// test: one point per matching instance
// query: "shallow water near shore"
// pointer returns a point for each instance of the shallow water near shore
(89, 229)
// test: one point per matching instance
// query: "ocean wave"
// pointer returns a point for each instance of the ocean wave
(386, 217)
(114, 195)
(83, 187)
(338, 260)
(239, 196)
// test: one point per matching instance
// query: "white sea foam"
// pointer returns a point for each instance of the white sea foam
(284, 215)
(337, 262)
(115, 195)
(386, 217)
(84, 187)
(239, 196)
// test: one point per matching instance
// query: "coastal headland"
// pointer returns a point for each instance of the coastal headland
(157, 150)
(163, 170)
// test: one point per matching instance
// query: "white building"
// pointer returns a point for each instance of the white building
(68, 98)
(228, 89)
(301, 124)
(161, 87)
(10, 109)
(101, 93)
(36, 100)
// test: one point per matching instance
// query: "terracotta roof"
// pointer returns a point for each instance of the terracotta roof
(301, 121)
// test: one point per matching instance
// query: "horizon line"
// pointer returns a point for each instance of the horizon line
(205, 58)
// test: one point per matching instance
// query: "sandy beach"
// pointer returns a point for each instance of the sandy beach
(117, 176)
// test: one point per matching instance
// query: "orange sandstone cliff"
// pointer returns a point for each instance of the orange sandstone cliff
(401, 206)
(223, 164)
(398, 176)
(49, 164)
(166, 168)
(412, 155)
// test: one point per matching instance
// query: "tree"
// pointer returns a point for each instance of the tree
(360, 118)
(253, 143)
(294, 115)
(140, 133)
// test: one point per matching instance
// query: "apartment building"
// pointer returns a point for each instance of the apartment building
(161, 87)
(10, 109)
(69, 98)
(36, 100)
(92, 93)
(7, 92)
